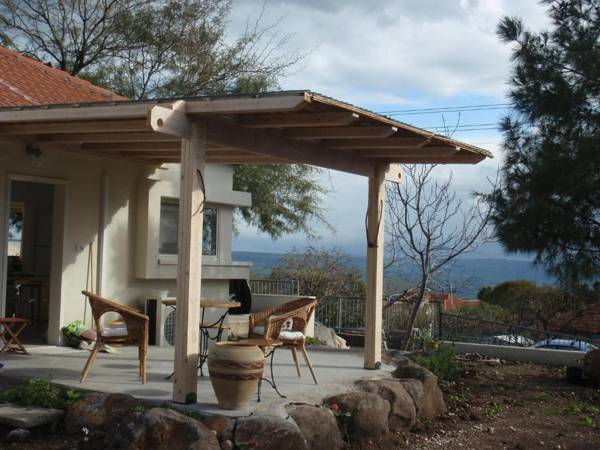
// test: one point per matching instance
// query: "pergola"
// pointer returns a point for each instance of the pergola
(273, 128)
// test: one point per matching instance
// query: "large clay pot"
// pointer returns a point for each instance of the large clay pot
(235, 371)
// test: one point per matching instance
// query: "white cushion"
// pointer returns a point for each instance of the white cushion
(287, 335)
(259, 330)
(118, 331)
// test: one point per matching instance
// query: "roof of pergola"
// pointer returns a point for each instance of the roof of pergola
(270, 128)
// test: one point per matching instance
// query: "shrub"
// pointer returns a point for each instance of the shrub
(39, 393)
(311, 340)
(441, 362)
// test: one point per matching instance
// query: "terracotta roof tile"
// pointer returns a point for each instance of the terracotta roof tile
(26, 82)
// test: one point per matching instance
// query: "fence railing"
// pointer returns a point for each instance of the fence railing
(467, 329)
(275, 287)
(345, 314)
(341, 313)
(348, 313)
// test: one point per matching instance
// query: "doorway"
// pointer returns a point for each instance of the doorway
(31, 210)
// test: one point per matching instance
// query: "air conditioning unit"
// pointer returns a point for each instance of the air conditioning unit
(162, 323)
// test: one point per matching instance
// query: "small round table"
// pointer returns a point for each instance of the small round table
(217, 325)
(268, 347)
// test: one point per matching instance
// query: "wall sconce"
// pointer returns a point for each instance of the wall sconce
(36, 155)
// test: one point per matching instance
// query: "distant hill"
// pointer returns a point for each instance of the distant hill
(478, 271)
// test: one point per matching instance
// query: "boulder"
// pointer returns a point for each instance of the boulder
(367, 413)
(402, 407)
(160, 429)
(267, 432)
(328, 336)
(414, 388)
(433, 404)
(591, 367)
(98, 412)
(221, 425)
(15, 416)
(318, 426)
(18, 434)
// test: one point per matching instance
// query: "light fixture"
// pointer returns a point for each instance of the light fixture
(36, 155)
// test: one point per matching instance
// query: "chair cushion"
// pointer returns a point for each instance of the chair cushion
(118, 331)
(287, 335)
(259, 330)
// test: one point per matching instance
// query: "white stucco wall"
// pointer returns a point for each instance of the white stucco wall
(82, 177)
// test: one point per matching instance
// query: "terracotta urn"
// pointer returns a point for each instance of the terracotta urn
(235, 371)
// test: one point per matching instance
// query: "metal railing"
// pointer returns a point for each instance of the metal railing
(275, 287)
(457, 328)
(348, 313)
(341, 313)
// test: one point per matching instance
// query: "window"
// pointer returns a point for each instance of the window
(168, 235)
(15, 229)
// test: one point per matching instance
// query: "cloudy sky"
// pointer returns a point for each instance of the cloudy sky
(395, 57)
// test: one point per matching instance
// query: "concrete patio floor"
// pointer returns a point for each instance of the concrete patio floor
(118, 373)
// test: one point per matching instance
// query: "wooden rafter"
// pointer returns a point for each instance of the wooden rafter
(393, 142)
(305, 119)
(106, 137)
(103, 126)
(404, 152)
(340, 132)
(271, 145)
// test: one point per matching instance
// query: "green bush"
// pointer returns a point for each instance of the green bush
(441, 362)
(311, 340)
(39, 393)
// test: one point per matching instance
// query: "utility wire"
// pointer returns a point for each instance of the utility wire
(481, 107)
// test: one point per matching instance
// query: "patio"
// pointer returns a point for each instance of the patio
(293, 127)
(118, 373)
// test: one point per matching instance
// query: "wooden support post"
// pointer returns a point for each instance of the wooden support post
(189, 268)
(375, 230)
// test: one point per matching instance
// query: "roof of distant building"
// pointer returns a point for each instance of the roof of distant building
(27, 82)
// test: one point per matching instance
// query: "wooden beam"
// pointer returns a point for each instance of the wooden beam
(374, 305)
(394, 173)
(107, 137)
(271, 145)
(113, 126)
(131, 146)
(170, 121)
(340, 132)
(454, 159)
(271, 103)
(124, 110)
(405, 152)
(189, 267)
(305, 119)
(396, 142)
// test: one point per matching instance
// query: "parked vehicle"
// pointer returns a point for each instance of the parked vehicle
(508, 339)
(566, 344)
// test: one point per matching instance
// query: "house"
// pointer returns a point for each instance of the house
(77, 221)
(451, 302)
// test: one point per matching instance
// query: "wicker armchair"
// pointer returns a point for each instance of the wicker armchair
(286, 323)
(135, 330)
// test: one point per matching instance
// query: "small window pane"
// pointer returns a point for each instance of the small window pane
(169, 219)
(209, 232)
(15, 229)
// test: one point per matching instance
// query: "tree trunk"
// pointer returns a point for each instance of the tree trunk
(415, 310)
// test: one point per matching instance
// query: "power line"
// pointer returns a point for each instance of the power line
(417, 111)
(461, 126)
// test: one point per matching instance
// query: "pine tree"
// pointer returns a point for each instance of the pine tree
(548, 202)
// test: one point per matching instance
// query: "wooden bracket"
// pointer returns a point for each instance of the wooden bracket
(170, 121)
(394, 173)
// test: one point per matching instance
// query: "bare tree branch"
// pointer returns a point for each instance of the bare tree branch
(429, 226)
